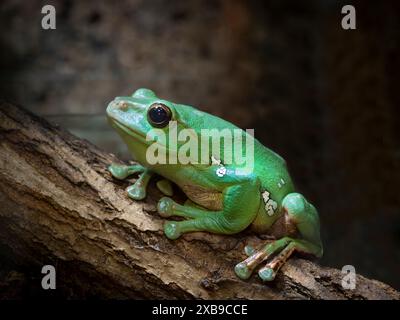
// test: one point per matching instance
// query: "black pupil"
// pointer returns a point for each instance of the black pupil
(158, 114)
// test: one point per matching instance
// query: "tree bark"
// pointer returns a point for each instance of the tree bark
(59, 202)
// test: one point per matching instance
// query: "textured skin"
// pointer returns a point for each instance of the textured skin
(224, 204)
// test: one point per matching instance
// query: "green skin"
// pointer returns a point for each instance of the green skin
(225, 204)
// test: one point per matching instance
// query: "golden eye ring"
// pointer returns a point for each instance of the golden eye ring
(159, 115)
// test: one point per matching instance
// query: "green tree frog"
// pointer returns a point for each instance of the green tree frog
(221, 198)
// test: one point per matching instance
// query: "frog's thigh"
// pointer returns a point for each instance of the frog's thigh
(123, 171)
(236, 215)
(304, 215)
(137, 191)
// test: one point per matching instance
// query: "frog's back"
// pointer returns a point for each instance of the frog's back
(269, 167)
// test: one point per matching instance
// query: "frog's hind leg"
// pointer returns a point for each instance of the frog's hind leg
(245, 268)
(304, 215)
(269, 271)
(305, 218)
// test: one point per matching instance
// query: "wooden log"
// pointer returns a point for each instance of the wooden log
(58, 201)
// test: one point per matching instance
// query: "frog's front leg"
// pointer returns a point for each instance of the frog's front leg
(122, 172)
(305, 218)
(137, 191)
(241, 200)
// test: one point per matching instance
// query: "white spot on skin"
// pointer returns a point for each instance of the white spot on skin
(281, 183)
(270, 205)
(221, 171)
(265, 196)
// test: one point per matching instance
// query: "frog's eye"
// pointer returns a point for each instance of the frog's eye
(159, 115)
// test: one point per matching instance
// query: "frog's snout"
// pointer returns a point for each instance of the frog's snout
(121, 105)
(117, 108)
(118, 104)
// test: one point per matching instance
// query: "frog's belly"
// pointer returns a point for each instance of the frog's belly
(210, 199)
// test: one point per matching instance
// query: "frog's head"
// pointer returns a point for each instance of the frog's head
(135, 117)
(150, 126)
(139, 113)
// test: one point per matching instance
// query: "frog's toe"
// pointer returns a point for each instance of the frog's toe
(267, 274)
(135, 192)
(165, 187)
(121, 172)
(249, 250)
(171, 230)
(242, 271)
(117, 171)
(165, 207)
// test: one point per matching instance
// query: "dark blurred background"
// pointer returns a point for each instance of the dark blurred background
(324, 98)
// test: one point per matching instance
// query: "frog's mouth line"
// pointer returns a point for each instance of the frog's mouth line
(136, 135)
(140, 137)
(127, 130)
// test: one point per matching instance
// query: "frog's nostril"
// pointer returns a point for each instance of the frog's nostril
(122, 105)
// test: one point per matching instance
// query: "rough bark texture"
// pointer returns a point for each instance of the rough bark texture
(57, 200)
